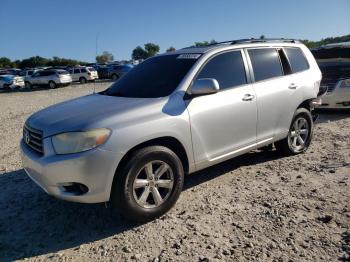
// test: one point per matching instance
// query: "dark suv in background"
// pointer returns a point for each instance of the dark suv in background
(113, 72)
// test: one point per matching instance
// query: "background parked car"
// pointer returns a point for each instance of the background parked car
(10, 71)
(51, 77)
(10, 82)
(334, 62)
(114, 72)
(27, 73)
(83, 74)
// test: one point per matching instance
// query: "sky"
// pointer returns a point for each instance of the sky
(69, 28)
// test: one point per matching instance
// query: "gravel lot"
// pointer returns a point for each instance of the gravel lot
(259, 206)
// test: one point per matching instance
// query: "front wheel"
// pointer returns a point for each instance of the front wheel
(149, 184)
(28, 85)
(299, 135)
(52, 85)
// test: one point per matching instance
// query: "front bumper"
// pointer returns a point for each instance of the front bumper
(18, 84)
(94, 168)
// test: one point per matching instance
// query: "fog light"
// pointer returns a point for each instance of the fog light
(74, 188)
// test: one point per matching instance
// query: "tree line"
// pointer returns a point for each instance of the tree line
(38, 61)
(139, 53)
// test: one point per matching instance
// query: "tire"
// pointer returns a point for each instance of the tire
(52, 85)
(82, 80)
(28, 85)
(115, 77)
(301, 130)
(139, 201)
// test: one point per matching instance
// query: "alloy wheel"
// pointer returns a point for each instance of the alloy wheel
(299, 134)
(153, 184)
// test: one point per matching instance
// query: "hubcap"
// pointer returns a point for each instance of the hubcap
(153, 184)
(299, 134)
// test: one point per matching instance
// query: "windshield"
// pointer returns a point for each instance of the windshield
(156, 77)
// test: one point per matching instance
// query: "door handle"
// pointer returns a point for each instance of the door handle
(292, 86)
(248, 97)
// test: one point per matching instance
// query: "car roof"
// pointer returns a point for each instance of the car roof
(7, 75)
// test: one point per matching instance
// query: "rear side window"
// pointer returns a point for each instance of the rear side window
(76, 71)
(46, 73)
(266, 63)
(296, 59)
(83, 70)
(227, 68)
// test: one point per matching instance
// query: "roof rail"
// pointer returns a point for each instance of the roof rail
(257, 40)
(250, 40)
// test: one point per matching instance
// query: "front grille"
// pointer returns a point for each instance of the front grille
(33, 138)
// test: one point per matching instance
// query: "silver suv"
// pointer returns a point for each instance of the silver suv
(172, 115)
(49, 77)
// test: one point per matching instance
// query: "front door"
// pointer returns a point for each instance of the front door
(223, 124)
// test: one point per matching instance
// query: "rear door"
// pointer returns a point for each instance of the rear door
(76, 74)
(36, 78)
(275, 90)
(223, 124)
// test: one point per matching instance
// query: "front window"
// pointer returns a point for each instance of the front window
(227, 68)
(156, 77)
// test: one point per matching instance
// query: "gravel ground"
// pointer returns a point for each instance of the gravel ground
(259, 206)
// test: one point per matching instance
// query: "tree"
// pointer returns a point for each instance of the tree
(262, 37)
(204, 43)
(104, 58)
(34, 61)
(171, 49)
(152, 49)
(6, 62)
(144, 53)
(139, 53)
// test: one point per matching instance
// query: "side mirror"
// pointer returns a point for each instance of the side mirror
(204, 86)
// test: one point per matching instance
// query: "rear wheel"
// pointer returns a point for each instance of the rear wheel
(299, 135)
(82, 80)
(52, 85)
(149, 184)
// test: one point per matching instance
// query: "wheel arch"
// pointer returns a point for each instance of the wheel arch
(305, 104)
(167, 141)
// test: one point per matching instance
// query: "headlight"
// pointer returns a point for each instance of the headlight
(74, 142)
(345, 83)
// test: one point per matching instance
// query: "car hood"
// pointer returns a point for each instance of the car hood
(92, 111)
